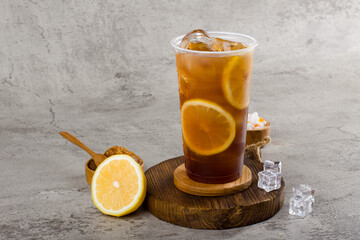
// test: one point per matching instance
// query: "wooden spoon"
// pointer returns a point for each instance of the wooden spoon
(97, 157)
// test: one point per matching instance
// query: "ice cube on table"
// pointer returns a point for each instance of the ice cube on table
(301, 203)
(272, 166)
(303, 191)
(269, 180)
(300, 207)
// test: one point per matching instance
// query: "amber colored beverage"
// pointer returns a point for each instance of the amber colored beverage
(214, 88)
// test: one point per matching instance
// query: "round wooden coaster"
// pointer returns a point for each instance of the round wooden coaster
(168, 203)
(186, 184)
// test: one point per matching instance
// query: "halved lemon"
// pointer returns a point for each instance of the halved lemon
(207, 128)
(118, 185)
(236, 81)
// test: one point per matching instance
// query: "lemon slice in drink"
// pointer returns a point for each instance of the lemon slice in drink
(207, 128)
(236, 82)
(118, 185)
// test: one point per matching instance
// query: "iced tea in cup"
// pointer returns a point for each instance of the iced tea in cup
(214, 70)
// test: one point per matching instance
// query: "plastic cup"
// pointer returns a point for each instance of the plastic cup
(214, 90)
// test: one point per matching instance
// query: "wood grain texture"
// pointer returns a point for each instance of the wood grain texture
(168, 203)
(187, 185)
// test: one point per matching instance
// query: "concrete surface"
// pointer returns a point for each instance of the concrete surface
(104, 71)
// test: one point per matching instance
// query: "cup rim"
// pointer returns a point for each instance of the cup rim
(175, 44)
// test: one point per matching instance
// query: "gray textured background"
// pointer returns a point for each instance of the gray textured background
(104, 71)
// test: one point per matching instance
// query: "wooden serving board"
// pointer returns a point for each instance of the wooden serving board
(250, 206)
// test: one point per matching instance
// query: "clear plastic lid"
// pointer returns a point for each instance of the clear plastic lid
(250, 42)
